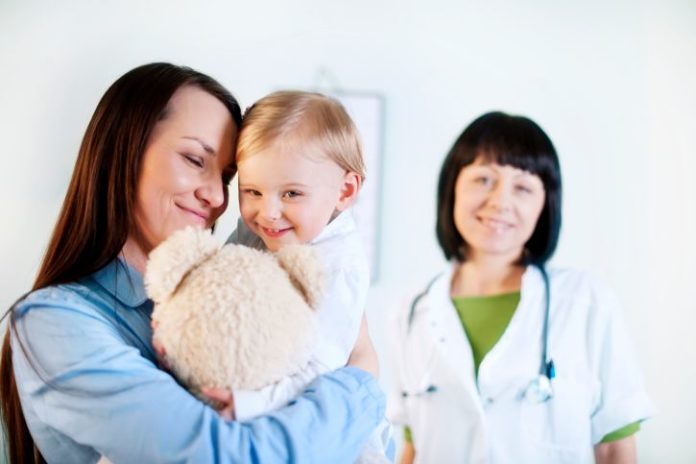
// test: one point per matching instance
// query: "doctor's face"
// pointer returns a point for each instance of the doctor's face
(496, 208)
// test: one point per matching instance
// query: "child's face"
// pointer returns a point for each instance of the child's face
(288, 195)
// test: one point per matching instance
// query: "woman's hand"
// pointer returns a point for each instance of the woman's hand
(364, 355)
(219, 398)
(222, 400)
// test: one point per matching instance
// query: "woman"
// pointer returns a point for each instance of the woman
(78, 364)
(499, 359)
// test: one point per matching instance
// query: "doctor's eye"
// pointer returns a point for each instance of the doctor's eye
(524, 188)
(483, 180)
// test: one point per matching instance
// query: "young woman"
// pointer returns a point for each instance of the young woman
(499, 359)
(79, 374)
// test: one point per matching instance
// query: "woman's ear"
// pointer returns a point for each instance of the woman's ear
(349, 190)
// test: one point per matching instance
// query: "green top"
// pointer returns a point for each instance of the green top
(484, 320)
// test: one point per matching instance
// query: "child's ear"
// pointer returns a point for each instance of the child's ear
(349, 190)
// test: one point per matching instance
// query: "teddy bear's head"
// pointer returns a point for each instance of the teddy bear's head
(232, 317)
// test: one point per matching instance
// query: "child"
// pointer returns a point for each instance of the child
(300, 169)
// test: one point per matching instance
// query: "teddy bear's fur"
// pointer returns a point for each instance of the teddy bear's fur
(232, 317)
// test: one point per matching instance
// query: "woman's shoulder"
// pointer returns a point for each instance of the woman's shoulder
(61, 294)
(419, 296)
(582, 287)
(84, 296)
(576, 278)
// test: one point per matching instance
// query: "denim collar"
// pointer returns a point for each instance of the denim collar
(123, 282)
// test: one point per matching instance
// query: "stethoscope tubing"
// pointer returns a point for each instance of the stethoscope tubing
(547, 370)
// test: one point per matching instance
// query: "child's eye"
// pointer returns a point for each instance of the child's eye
(251, 192)
(523, 188)
(292, 194)
(195, 160)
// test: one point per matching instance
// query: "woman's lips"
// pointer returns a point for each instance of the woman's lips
(496, 225)
(200, 217)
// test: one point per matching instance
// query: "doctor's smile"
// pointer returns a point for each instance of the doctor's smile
(496, 225)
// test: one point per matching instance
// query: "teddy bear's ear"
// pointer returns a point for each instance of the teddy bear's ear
(169, 262)
(305, 271)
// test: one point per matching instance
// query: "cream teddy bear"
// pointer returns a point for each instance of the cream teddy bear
(230, 316)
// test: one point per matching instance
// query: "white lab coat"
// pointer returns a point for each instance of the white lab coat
(597, 389)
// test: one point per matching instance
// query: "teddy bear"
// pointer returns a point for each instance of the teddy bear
(231, 316)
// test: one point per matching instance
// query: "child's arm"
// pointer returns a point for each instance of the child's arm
(364, 354)
(249, 404)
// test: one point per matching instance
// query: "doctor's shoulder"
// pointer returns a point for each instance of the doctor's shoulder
(413, 304)
(583, 288)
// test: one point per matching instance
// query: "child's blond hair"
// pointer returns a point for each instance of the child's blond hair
(305, 118)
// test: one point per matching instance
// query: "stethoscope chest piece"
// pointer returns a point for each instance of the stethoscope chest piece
(539, 389)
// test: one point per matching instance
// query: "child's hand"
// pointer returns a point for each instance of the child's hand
(364, 355)
(222, 400)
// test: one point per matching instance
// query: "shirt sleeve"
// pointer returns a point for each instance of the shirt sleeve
(340, 312)
(77, 377)
(623, 432)
(623, 398)
(249, 404)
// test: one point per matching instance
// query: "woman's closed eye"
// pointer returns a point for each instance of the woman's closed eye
(193, 159)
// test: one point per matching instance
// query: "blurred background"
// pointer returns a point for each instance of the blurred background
(612, 83)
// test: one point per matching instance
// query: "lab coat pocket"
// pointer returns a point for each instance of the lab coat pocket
(558, 430)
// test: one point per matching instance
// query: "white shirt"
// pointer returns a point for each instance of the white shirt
(347, 273)
(598, 386)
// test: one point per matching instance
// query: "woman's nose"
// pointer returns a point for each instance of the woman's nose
(213, 193)
(500, 196)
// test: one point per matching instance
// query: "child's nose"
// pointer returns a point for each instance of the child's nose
(270, 209)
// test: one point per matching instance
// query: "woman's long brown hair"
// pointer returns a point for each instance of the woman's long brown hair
(97, 213)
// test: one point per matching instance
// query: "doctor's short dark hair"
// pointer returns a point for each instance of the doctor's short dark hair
(506, 140)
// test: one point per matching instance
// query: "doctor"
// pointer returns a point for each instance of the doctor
(498, 359)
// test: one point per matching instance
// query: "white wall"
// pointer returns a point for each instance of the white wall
(611, 82)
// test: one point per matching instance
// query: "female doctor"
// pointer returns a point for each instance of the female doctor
(498, 359)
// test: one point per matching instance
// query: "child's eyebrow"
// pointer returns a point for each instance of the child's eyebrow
(295, 185)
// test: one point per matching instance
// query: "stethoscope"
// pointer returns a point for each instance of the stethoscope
(540, 388)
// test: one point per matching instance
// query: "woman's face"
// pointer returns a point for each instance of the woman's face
(186, 167)
(496, 208)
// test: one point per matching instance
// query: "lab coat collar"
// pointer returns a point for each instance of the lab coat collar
(123, 282)
(454, 345)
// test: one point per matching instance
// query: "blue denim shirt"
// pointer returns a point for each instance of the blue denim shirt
(89, 386)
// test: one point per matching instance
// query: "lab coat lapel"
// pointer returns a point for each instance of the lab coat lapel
(453, 344)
